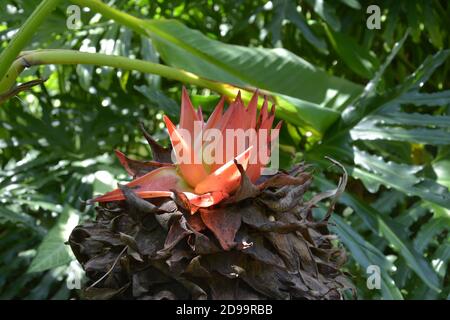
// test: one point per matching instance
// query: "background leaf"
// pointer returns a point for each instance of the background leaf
(53, 252)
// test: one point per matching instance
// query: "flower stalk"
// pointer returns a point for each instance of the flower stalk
(73, 57)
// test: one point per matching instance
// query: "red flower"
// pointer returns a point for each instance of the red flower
(205, 153)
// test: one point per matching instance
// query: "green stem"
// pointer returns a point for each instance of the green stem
(57, 56)
(24, 34)
(73, 57)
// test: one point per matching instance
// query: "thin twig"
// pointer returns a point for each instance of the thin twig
(110, 269)
(22, 87)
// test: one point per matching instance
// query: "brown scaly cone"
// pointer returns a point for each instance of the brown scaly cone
(262, 243)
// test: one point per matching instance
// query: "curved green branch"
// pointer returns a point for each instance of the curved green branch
(71, 57)
(24, 35)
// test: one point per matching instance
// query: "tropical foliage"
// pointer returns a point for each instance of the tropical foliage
(378, 101)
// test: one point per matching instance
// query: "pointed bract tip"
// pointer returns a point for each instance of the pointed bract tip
(238, 97)
(272, 110)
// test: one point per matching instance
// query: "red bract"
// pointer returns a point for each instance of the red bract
(205, 153)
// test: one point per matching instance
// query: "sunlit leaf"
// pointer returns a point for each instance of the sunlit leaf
(53, 251)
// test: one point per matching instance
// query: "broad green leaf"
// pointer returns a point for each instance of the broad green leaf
(411, 215)
(366, 255)
(327, 12)
(47, 284)
(287, 10)
(17, 217)
(374, 82)
(432, 26)
(352, 4)
(429, 230)
(276, 70)
(388, 229)
(149, 54)
(53, 251)
(399, 176)
(300, 112)
(124, 42)
(418, 78)
(374, 171)
(398, 151)
(85, 72)
(411, 119)
(299, 20)
(426, 99)
(439, 260)
(367, 102)
(388, 200)
(157, 97)
(442, 169)
(373, 128)
(358, 59)
(413, 19)
(108, 45)
(36, 203)
(391, 22)
(208, 103)
(14, 241)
